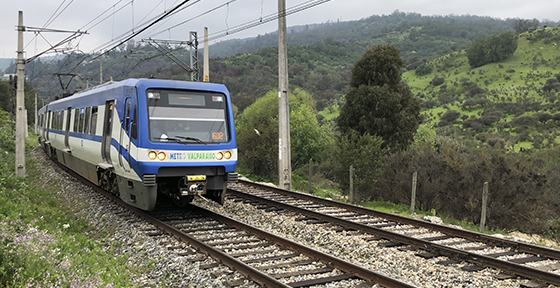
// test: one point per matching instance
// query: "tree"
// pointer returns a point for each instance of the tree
(483, 51)
(5, 96)
(377, 103)
(524, 25)
(257, 133)
(423, 69)
(379, 66)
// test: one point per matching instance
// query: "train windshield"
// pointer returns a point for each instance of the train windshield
(187, 117)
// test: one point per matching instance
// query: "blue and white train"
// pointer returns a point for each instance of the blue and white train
(140, 138)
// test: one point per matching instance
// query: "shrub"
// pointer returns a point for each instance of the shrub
(552, 84)
(450, 116)
(437, 81)
(474, 91)
(525, 121)
(450, 181)
(470, 103)
(365, 154)
(423, 70)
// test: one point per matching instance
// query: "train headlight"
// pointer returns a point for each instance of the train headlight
(220, 156)
(152, 155)
(227, 155)
(161, 156)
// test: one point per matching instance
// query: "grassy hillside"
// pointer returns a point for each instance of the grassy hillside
(320, 55)
(512, 102)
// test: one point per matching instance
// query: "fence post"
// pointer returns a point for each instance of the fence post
(484, 203)
(413, 197)
(351, 196)
(310, 173)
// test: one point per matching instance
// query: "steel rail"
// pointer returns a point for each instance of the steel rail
(343, 265)
(474, 236)
(221, 257)
(453, 253)
(249, 272)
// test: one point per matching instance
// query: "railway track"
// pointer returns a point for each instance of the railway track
(428, 239)
(262, 257)
(248, 254)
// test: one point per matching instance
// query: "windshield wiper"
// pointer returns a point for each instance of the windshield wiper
(191, 139)
(172, 139)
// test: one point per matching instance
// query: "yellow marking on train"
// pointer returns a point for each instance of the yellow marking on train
(196, 178)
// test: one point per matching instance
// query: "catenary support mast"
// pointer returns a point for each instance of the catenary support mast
(284, 157)
(20, 104)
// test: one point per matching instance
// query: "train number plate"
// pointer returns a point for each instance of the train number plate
(196, 178)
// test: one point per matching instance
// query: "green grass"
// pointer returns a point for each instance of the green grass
(43, 244)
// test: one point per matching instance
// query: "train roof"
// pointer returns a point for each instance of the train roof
(141, 84)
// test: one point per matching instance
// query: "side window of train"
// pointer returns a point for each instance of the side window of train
(76, 115)
(93, 127)
(87, 122)
(58, 123)
(134, 132)
(82, 118)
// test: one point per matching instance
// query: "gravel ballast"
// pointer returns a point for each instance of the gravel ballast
(164, 267)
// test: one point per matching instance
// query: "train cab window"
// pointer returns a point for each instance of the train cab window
(93, 126)
(76, 115)
(188, 117)
(87, 120)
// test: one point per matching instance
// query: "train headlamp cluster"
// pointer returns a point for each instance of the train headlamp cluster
(153, 155)
(160, 155)
(223, 155)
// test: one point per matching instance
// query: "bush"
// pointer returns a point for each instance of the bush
(474, 91)
(437, 81)
(483, 51)
(450, 181)
(471, 103)
(525, 121)
(552, 84)
(365, 154)
(423, 70)
(450, 116)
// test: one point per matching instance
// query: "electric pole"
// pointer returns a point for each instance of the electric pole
(20, 103)
(206, 62)
(284, 154)
(101, 70)
(193, 45)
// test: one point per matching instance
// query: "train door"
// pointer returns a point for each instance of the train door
(107, 131)
(48, 124)
(67, 134)
(126, 139)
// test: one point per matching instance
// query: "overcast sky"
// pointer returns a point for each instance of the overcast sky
(77, 14)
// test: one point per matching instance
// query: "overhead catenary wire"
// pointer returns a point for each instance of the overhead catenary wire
(102, 13)
(263, 20)
(50, 20)
(143, 27)
(53, 17)
(193, 18)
